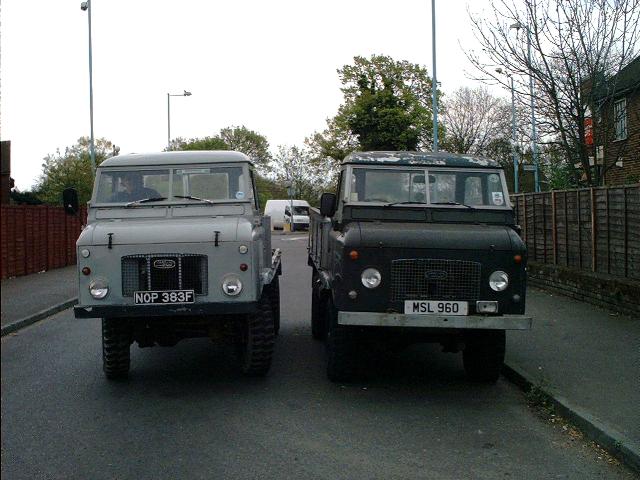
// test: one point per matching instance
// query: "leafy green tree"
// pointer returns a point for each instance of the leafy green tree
(71, 169)
(387, 105)
(240, 139)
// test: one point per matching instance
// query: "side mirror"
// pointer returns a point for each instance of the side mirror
(70, 201)
(328, 204)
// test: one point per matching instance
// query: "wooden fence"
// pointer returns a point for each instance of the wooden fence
(37, 238)
(595, 229)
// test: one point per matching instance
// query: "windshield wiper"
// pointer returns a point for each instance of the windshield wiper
(190, 197)
(145, 200)
(405, 203)
(453, 203)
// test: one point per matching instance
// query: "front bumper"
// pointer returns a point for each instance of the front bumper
(373, 319)
(192, 309)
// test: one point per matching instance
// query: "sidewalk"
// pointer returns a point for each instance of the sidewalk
(24, 297)
(588, 359)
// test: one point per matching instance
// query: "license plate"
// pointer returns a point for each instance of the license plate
(436, 307)
(164, 297)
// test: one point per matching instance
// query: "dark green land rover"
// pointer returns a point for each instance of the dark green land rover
(417, 247)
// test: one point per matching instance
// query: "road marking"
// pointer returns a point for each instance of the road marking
(294, 238)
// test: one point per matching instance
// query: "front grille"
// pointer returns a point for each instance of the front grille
(434, 279)
(164, 271)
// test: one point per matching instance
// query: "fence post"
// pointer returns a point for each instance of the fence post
(553, 226)
(593, 230)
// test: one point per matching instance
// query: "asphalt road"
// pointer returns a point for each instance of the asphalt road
(186, 413)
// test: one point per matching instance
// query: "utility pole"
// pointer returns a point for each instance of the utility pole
(434, 81)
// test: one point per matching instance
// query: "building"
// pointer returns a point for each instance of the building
(616, 136)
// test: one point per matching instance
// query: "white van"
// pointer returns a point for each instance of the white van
(280, 213)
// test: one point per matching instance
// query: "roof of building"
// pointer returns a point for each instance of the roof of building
(625, 81)
(175, 158)
(440, 158)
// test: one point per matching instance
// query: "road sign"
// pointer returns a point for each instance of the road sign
(529, 168)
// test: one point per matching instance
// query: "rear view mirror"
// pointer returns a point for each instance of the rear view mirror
(70, 201)
(328, 204)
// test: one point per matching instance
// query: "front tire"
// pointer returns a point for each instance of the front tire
(483, 355)
(116, 348)
(256, 349)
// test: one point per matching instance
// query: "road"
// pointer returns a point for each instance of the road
(186, 413)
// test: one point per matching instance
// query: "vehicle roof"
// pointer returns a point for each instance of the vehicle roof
(440, 158)
(288, 202)
(175, 158)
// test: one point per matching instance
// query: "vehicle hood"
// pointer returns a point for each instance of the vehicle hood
(430, 235)
(154, 231)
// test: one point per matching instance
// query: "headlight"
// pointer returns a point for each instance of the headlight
(498, 281)
(98, 288)
(371, 278)
(231, 285)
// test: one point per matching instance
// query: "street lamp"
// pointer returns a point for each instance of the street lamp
(534, 146)
(513, 131)
(169, 95)
(434, 82)
(86, 7)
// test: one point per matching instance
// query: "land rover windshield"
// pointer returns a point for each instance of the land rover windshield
(184, 184)
(463, 187)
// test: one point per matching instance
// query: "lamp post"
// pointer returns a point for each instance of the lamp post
(86, 7)
(534, 145)
(513, 131)
(169, 95)
(434, 82)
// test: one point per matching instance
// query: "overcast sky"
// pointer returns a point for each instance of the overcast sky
(268, 65)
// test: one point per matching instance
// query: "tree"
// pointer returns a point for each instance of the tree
(578, 46)
(71, 169)
(387, 105)
(240, 139)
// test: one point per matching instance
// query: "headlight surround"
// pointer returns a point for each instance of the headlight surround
(231, 285)
(498, 281)
(371, 278)
(99, 288)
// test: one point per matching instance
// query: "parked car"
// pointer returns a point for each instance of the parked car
(417, 247)
(175, 248)
(276, 210)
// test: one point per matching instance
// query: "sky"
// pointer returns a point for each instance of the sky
(268, 65)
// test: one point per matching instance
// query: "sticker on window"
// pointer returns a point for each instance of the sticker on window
(497, 197)
(493, 178)
(239, 195)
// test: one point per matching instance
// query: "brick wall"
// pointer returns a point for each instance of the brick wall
(34, 238)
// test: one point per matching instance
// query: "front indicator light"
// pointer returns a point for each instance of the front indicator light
(498, 281)
(371, 278)
(98, 288)
(231, 285)
(487, 307)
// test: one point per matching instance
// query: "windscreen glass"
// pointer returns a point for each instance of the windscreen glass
(217, 183)
(130, 186)
(473, 188)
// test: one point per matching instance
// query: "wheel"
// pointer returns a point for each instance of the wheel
(258, 339)
(273, 291)
(340, 348)
(483, 355)
(116, 342)
(318, 311)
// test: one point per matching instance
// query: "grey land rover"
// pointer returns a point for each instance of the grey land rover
(175, 247)
(417, 247)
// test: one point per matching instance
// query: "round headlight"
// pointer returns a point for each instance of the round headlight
(85, 252)
(243, 249)
(231, 285)
(98, 288)
(371, 278)
(498, 281)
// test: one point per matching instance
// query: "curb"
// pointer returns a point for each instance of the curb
(36, 317)
(616, 443)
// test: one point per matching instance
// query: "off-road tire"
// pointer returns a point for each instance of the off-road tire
(318, 311)
(273, 290)
(258, 341)
(116, 345)
(340, 348)
(483, 355)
